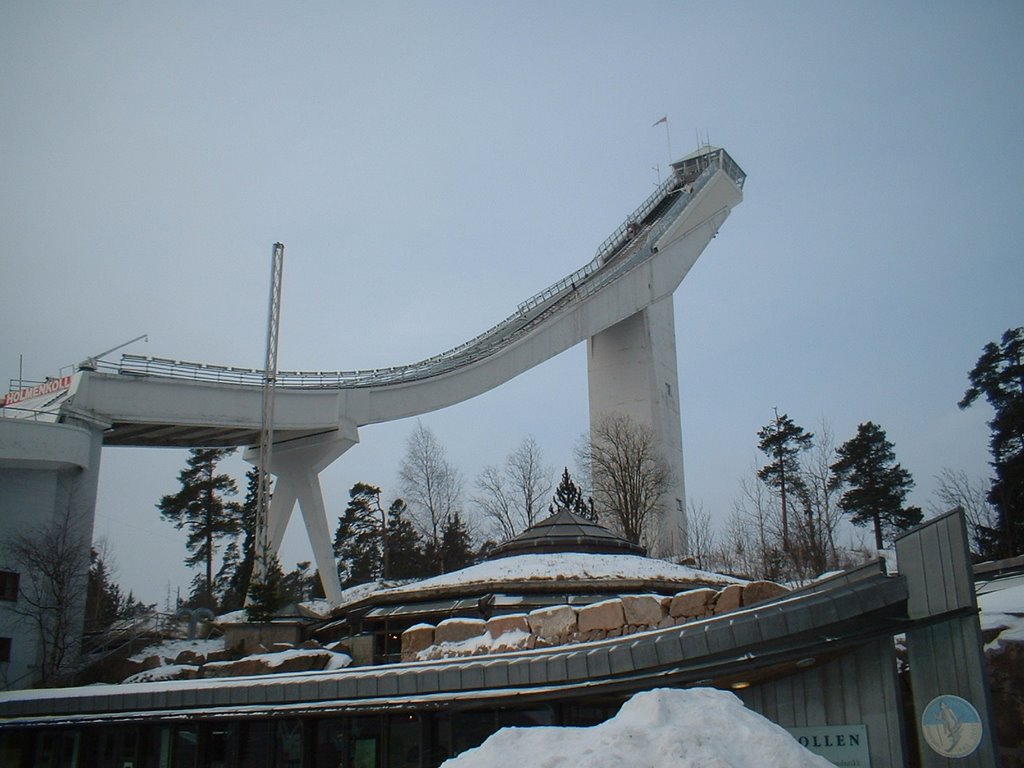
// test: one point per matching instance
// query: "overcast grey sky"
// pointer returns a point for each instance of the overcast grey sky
(430, 165)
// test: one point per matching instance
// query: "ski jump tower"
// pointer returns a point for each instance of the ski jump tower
(620, 303)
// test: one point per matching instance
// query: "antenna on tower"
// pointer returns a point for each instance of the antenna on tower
(262, 555)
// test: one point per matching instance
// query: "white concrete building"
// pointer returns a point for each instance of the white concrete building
(48, 475)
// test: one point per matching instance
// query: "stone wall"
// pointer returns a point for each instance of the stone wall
(562, 624)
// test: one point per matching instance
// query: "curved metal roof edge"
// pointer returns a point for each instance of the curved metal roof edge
(701, 647)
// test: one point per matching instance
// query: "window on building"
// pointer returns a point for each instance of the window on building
(5, 649)
(8, 585)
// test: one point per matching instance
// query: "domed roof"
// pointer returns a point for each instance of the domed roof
(566, 531)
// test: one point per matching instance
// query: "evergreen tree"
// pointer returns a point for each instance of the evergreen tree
(568, 496)
(359, 537)
(999, 376)
(104, 603)
(232, 581)
(297, 584)
(456, 545)
(406, 559)
(875, 485)
(266, 593)
(782, 441)
(200, 508)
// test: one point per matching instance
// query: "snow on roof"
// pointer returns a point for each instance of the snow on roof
(663, 728)
(567, 566)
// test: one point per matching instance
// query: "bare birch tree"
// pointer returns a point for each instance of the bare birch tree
(957, 489)
(512, 496)
(630, 477)
(701, 534)
(431, 486)
(53, 563)
(816, 551)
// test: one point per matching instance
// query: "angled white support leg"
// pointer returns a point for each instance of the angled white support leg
(281, 506)
(314, 515)
(297, 466)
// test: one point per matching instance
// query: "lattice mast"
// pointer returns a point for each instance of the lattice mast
(267, 421)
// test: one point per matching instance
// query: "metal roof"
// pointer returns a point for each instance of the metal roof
(839, 615)
(566, 531)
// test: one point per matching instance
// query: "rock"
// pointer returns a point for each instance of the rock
(759, 591)
(552, 625)
(693, 604)
(642, 610)
(309, 645)
(237, 668)
(188, 656)
(310, 661)
(513, 641)
(503, 625)
(729, 599)
(606, 615)
(1005, 662)
(224, 654)
(459, 630)
(169, 672)
(416, 639)
(278, 647)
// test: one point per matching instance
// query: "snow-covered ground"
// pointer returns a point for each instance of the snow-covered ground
(169, 649)
(1002, 605)
(663, 728)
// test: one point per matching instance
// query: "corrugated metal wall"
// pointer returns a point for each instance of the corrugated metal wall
(858, 688)
(945, 657)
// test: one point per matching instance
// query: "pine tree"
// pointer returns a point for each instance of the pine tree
(359, 537)
(200, 508)
(568, 496)
(232, 581)
(406, 559)
(456, 545)
(297, 584)
(999, 376)
(876, 486)
(266, 593)
(782, 441)
(104, 603)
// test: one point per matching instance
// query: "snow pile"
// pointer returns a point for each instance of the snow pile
(512, 640)
(565, 566)
(275, 659)
(663, 728)
(165, 672)
(169, 649)
(1003, 609)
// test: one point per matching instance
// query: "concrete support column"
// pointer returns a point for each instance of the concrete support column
(632, 370)
(281, 505)
(314, 515)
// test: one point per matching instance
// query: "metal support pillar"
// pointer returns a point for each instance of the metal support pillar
(297, 465)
